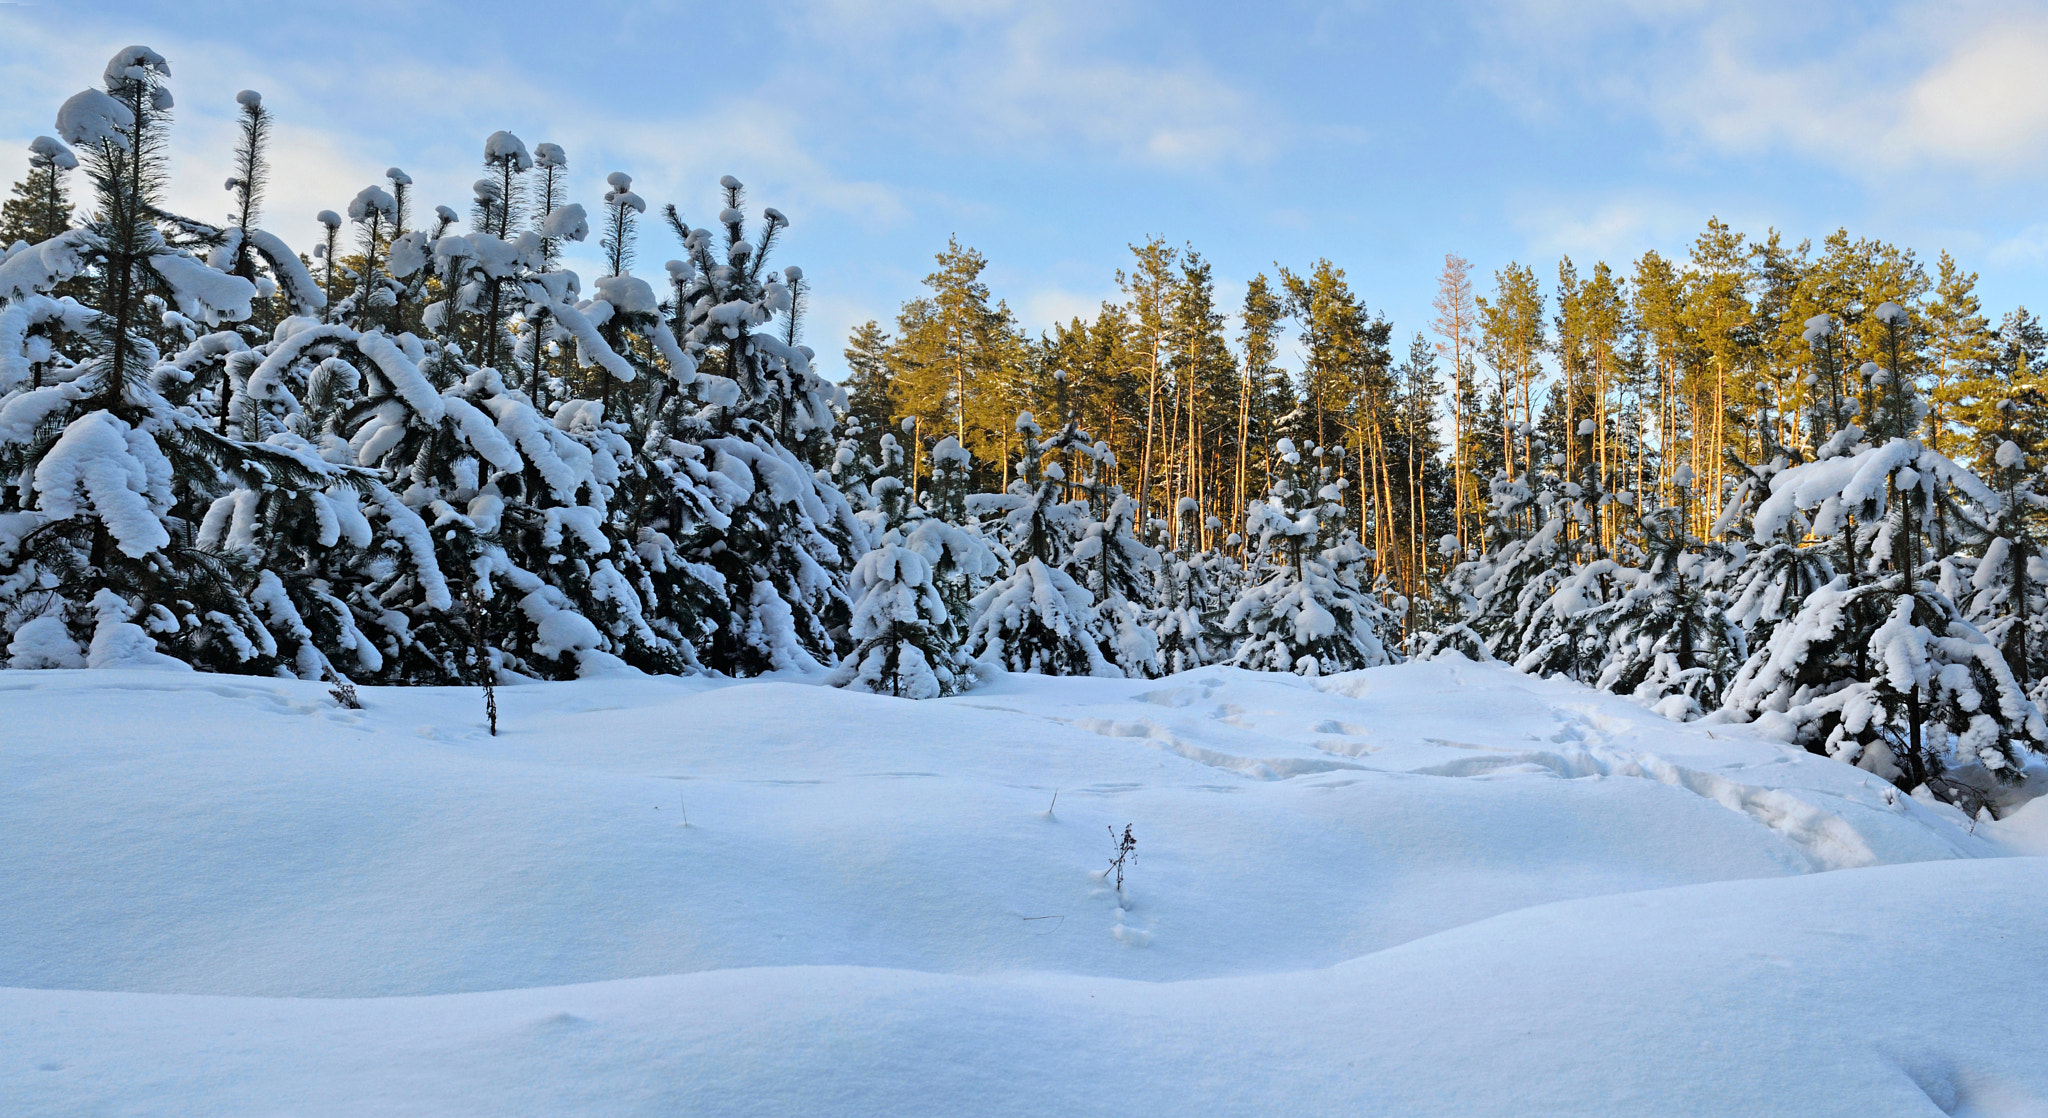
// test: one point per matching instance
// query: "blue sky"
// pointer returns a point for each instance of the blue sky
(1051, 134)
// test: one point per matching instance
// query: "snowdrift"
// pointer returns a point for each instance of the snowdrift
(1431, 888)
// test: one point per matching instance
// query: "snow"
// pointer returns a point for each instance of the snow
(591, 348)
(480, 432)
(504, 147)
(103, 467)
(24, 413)
(406, 526)
(120, 643)
(628, 294)
(91, 117)
(201, 292)
(568, 223)
(46, 152)
(408, 254)
(560, 630)
(134, 64)
(40, 267)
(371, 200)
(405, 377)
(562, 462)
(306, 295)
(19, 349)
(44, 643)
(1432, 888)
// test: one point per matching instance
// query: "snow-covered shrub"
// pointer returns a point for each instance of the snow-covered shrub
(1313, 613)
(1039, 618)
(216, 455)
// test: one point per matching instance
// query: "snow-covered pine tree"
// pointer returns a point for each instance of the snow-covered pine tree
(1038, 619)
(1312, 614)
(106, 544)
(499, 208)
(1184, 586)
(854, 470)
(962, 561)
(1556, 632)
(907, 636)
(42, 325)
(557, 221)
(905, 641)
(374, 213)
(2007, 592)
(1880, 668)
(40, 205)
(329, 253)
(407, 260)
(885, 498)
(750, 408)
(1120, 573)
(237, 253)
(523, 503)
(952, 480)
(1670, 642)
(1509, 592)
(1767, 585)
(294, 492)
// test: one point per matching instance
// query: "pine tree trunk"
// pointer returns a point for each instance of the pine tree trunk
(1714, 462)
(123, 256)
(1244, 422)
(1145, 463)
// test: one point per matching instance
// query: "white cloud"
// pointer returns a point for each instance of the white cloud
(1986, 102)
(1003, 74)
(1047, 307)
(1872, 90)
(2028, 247)
(338, 126)
(1615, 229)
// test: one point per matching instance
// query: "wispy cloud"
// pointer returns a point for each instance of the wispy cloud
(2027, 247)
(1047, 307)
(1871, 90)
(1986, 102)
(1001, 75)
(341, 124)
(1615, 228)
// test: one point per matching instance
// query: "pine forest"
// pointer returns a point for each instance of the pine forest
(1792, 483)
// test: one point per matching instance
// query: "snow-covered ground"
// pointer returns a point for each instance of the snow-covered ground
(1427, 889)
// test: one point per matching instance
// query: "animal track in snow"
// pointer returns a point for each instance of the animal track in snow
(1345, 747)
(1258, 768)
(1348, 729)
(1826, 840)
(1230, 714)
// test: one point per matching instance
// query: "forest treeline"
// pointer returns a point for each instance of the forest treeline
(1673, 362)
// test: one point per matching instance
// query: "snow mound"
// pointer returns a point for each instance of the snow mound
(1430, 888)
